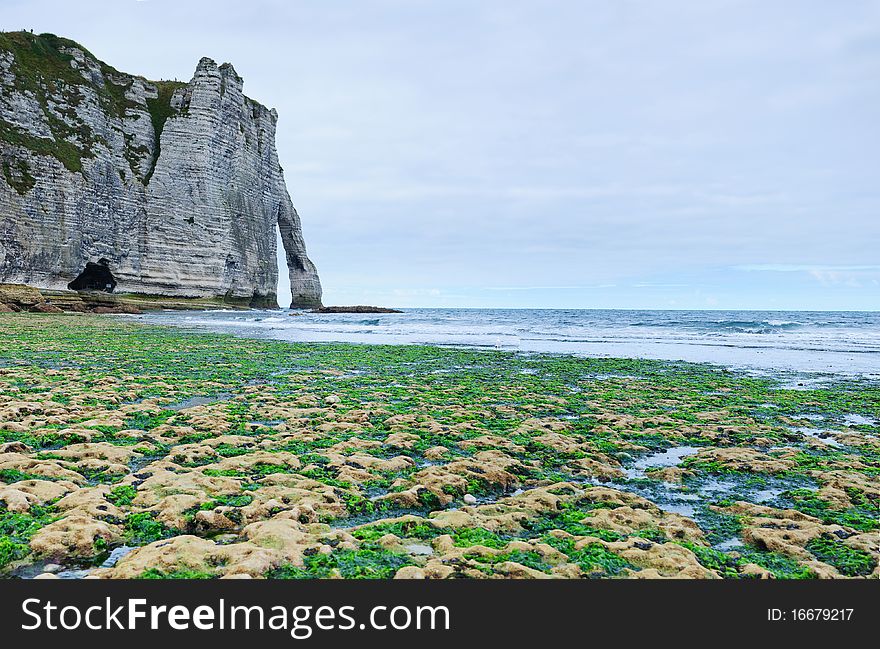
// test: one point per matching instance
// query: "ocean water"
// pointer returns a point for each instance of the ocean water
(832, 343)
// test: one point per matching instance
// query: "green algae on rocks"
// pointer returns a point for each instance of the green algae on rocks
(164, 453)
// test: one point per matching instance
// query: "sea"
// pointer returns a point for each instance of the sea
(763, 342)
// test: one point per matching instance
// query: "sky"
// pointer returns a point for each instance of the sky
(702, 154)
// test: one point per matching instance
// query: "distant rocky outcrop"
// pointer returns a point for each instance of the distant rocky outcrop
(176, 186)
(355, 309)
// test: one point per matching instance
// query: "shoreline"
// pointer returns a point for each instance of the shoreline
(760, 342)
(169, 452)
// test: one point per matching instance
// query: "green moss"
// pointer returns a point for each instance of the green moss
(325, 475)
(40, 61)
(122, 496)
(529, 559)
(428, 499)
(240, 500)
(405, 529)
(226, 450)
(65, 152)
(14, 475)
(11, 551)
(781, 566)
(729, 565)
(358, 505)
(864, 517)
(18, 176)
(571, 518)
(160, 110)
(370, 561)
(17, 528)
(142, 529)
(849, 561)
(721, 562)
(465, 537)
(148, 420)
(718, 526)
(594, 559)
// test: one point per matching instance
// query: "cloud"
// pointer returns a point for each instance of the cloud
(804, 268)
(849, 276)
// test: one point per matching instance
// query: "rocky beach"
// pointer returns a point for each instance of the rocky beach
(161, 417)
(130, 450)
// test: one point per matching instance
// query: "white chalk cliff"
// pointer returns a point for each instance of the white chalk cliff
(176, 185)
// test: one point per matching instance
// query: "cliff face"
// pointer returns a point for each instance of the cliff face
(176, 185)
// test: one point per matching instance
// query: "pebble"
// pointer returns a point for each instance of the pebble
(47, 575)
(52, 567)
(470, 500)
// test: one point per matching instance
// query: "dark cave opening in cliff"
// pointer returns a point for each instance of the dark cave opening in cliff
(94, 277)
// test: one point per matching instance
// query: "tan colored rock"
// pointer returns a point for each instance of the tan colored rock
(437, 570)
(249, 559)
(785, 535)
(171, 510)
(163, 483)
(753, 570)
(72, 536)
(91, 502)
(52, 469)
(213, 521)
(410, 572)
(16, 500)
(45, 490)
(669, 560)
(436, 453)
(631, 521)
(402, 440)
(245, 462)
(179, 553)
(603, 469)
(286, 535)
(744, 459)
(15, 447)
(20, 295)
(192, 454)
(513, 570)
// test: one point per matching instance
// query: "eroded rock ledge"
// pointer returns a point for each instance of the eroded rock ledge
(18, 298)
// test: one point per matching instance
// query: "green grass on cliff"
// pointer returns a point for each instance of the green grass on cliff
(18, 175)
(43, 70)
(160, 110)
